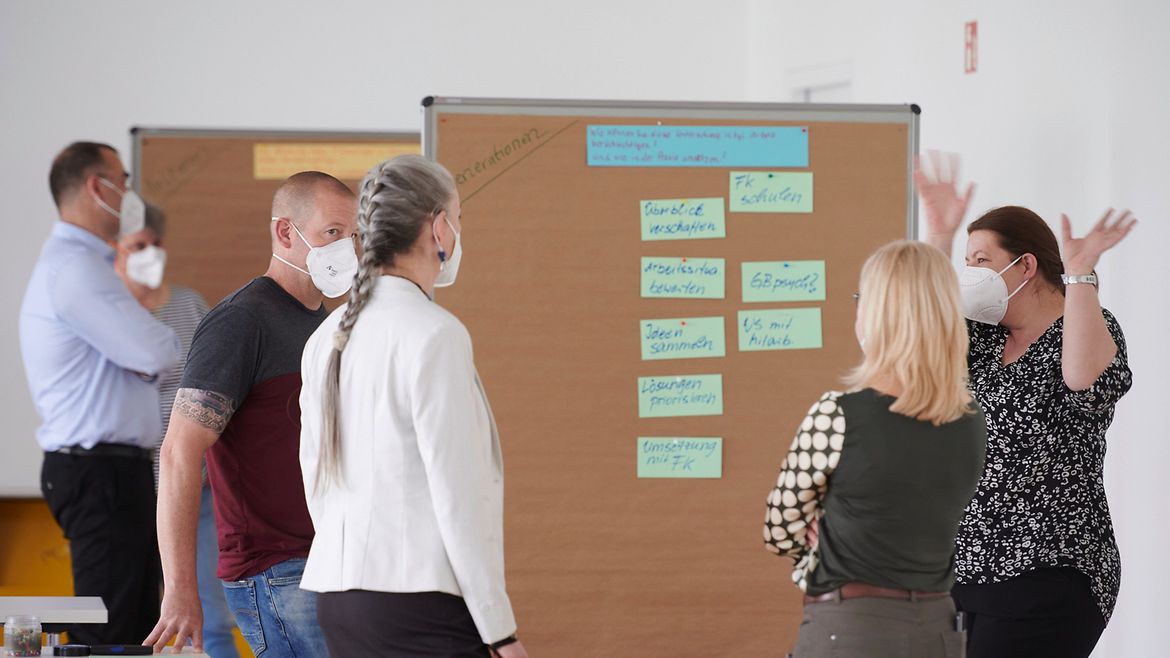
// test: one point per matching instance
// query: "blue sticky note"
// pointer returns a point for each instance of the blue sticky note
(680, 457)
(780, 329)
(683, 278)
(771, 191)
(682, 338)
(670, 396)
(682, 219)
(696, 146)
(784, 281)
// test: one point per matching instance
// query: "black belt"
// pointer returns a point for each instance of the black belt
(108, 450)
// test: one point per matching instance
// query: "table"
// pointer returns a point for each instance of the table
(56, 609)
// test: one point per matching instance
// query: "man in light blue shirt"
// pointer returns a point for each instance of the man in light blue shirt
(93, 356)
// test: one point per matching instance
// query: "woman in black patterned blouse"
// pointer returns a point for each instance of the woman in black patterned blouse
(1037, 567)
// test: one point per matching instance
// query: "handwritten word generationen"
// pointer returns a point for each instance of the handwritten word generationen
(696, 146)
(684, 278)
(680, 457)
(682, 338)
(784, 281)
(500, 155)
(680, 395)
(682, 219)
(780, 329)
(771, 191)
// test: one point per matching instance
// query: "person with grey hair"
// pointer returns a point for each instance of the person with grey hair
(399, 451)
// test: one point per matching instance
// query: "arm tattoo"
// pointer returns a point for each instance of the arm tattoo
(209, 409)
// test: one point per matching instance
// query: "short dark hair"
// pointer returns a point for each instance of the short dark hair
(72, 166)
(1020, 231)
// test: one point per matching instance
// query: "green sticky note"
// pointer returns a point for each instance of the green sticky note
(784, 281)
(680, 457)
(682, 219)
(771, 191)
(780, 329)
(682, 338)
(680, 395)
(687, 278)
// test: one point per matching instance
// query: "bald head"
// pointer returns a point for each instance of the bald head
(299, 196)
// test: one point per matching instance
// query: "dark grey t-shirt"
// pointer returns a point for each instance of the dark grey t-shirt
(249, 348)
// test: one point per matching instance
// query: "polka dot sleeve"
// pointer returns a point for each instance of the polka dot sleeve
(795, 502)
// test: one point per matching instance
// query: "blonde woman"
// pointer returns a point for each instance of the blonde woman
(872, 490)
(399, 452)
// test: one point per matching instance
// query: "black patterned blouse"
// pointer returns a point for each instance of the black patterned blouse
(1041, 499)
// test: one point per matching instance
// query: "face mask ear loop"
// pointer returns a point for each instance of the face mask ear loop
(435, 235)
(1019, 287)
(105, 206)
(294, 227)
(1010, 265)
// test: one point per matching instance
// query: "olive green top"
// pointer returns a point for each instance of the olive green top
(888, 490)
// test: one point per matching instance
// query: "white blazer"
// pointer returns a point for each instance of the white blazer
(420, 506)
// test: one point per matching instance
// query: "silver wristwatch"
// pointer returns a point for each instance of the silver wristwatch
(1078, 278)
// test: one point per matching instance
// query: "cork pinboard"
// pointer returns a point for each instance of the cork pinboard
(216, 188)
(600, 561)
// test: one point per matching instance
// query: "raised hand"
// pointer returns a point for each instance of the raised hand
(1081, 254)
(944, 204)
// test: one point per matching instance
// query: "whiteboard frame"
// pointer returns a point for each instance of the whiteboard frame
(138, 133)
(908, 115)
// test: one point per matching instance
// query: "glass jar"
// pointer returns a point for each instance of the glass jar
(22, 636)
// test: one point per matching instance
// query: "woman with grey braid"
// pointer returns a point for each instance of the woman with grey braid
(399, 450)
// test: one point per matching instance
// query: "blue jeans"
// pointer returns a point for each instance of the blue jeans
(276, 616)
(217, 618)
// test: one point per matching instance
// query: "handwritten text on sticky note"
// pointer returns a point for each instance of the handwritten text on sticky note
(772, 191)
(696, 146)
(682, 338)
(784, 281)
(680, 395)
(780, 329)
(685, 278)
(680, 457)
(682, 219)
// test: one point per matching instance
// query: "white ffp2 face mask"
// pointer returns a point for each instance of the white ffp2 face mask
(331, 267)
(132, 214)
(984, 293)
(146, 266)
(448, 265)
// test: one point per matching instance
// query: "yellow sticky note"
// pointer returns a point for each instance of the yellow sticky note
(278, 161)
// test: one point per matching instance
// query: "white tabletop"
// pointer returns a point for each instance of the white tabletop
(56, 609)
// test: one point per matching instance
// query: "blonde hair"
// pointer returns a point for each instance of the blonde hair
(914, 331)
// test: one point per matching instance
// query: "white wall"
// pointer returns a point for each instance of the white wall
(1068, 112)
(84, 70)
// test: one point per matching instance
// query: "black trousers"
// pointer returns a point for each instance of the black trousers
(361, 624)
(106, 507)
(1041, 614)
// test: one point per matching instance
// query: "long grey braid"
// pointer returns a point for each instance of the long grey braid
(395, 200)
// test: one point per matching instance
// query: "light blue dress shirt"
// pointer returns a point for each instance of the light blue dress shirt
(91, 352)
